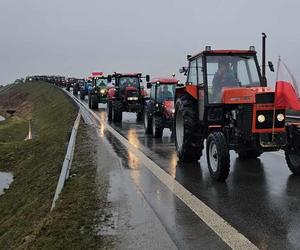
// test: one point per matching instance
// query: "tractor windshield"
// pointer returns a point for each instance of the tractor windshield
(129, 81)
(165, 92)
(230, 71)
(101, 82)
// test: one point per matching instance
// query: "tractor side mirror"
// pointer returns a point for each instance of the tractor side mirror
(109, 78)
(271, 66)
(147, 78)
(149, 85)
(183, 70)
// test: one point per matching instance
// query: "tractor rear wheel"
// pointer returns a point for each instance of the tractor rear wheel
(218, 157)
(189, 147)
(157, 127)
(109, 111)
(292, 158)
(292, 151)
(117, 112)
(249, 154)
(147, 123)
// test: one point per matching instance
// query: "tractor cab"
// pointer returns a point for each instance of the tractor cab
(159, 109)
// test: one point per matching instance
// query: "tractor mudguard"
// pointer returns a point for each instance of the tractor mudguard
(190, 89)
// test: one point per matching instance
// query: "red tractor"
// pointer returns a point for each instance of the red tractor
(226, 102)
(159, 109)
(126, 95)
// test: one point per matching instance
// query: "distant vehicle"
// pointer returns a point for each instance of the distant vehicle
(126, 95)
(159, 109)
(77, 83)
(98, 93)
(85, 88)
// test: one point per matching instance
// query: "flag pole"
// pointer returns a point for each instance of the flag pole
(274, 110)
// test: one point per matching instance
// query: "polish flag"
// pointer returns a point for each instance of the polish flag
(286, 90)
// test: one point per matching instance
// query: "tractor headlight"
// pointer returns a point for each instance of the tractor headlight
(132, 98)
(261, 118)
(280, 117)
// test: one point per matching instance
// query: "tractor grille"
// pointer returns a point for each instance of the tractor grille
(268, 123)
(245, 118)
(265, 98)
(132, 93)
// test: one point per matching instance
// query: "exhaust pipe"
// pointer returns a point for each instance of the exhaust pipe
(263, 69)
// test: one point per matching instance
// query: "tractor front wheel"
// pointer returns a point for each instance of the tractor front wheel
(157, 127)
(90, 101)
(94, 100)
(218, 158)
(147, 123)
(117, 112)
(82, 94)
(109, 111)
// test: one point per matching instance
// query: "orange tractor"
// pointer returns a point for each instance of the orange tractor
(226, 102)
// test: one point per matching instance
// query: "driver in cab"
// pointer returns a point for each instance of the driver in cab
(165, 94)
(224, 77)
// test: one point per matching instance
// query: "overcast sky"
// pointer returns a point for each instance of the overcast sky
(74, 38)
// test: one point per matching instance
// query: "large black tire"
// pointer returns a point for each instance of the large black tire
(218, 157)
(157, 127)
(292, 158)
(188, 146)
(109, 111)
(82, 94)
(117, 112)
(147, 123)
(94, 100)
(90, 101)
(292, 152)
(140, 116)
(249, 154)
(75, 91)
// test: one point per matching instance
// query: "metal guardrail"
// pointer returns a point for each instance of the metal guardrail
(65, 171)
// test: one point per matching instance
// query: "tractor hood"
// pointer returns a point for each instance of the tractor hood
(247, 95)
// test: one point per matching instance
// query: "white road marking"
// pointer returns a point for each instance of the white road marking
(223, 229)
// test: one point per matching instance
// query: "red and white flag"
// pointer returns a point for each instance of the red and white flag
(286, 89)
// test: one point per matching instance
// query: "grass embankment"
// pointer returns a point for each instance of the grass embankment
(35, 164)
(81, 208)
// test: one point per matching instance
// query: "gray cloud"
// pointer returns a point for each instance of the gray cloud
(72, 37)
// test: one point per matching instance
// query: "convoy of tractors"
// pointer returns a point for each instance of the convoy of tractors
(224, 105)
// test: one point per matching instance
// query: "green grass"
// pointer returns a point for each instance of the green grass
(73, 223)
(35, 164)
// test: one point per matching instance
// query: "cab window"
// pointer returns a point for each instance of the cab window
(192, 77)
(199, 70)
(152, 92)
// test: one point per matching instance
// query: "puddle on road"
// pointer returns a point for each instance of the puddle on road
(5, 180)
(2, 118)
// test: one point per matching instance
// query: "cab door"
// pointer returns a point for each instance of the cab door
(200, 83)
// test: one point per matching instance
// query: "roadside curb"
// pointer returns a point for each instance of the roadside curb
(66, 167)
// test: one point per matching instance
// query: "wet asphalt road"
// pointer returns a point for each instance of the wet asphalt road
(260, 198)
